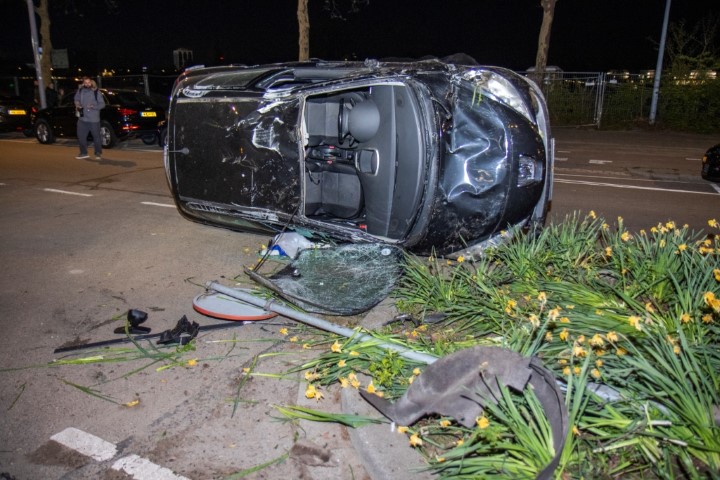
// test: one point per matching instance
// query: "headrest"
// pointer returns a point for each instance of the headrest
(364, 120)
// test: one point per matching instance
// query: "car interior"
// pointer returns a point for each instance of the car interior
(364, 158)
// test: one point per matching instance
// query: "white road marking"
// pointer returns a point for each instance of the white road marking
(631, 187)
(143, 469)
(694, 159)
(53, 190)
(101, 450)
(715, 186)
(599, 162)
(563, 151)
(158, 204)
(86, 444)
(630, 179)
(561, 159)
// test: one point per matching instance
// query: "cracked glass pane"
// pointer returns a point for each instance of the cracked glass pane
(344, 280)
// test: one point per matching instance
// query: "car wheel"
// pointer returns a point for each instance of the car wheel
(43, 132)
(109, 139)
(149, 139)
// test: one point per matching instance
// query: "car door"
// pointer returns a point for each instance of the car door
(63, 117)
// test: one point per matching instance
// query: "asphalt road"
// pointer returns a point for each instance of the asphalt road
(82, 241)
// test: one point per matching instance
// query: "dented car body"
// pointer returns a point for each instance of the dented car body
(427, 155)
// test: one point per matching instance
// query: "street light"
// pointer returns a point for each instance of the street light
(658, 68)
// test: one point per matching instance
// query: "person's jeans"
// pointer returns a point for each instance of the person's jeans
(83, 128)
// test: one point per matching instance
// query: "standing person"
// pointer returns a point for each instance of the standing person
(51, 96)
(88, 102)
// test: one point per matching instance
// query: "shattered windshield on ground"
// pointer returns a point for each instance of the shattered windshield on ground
(344, 280)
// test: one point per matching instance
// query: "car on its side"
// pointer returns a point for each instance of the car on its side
(15, 115)
(127, 114)
(430, 156)
(711, 164)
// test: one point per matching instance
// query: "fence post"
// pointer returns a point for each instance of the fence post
(600, 98)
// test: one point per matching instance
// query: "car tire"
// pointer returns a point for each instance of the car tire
(43, 132)
(149, 139)
(107, 134)
(163, 137)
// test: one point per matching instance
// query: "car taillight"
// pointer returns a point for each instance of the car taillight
(127, 112)
(34, 109)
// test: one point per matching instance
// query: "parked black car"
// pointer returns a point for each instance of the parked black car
(711, 164)
(427, 155)
(127, 114)
(15, 115)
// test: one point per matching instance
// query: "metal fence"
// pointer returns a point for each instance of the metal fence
(602, 100)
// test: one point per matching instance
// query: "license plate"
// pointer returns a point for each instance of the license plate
(148, 114)
(17, 112)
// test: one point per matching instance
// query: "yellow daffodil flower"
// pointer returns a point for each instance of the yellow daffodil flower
(482, 422)
(461, 259)
(344, 383)
(341, 363)
(336, 347)
(685, 318)
(595, 373)
(564, 334)
(312, 392)
(415, 440)
(612, 336)
(283, 331)
(445, 423)
(597, 340)
(635, 322)
(592, 214)
(548, 337)
(192, 363)
(293, 339)
(402, 429)
(370, 388)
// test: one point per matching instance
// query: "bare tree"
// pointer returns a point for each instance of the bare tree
(42, 9)
(693, 47)
(548, 7)
(304, 30)
(338, 9)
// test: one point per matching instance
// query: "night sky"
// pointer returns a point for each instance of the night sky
(588, 35)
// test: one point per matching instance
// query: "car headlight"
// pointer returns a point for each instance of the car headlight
(499, 88)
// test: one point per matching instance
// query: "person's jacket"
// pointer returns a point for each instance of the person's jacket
(91, 101)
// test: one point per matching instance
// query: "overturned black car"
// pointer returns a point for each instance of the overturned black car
(426, 155)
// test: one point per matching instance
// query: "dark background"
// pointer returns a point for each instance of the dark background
(594, 35)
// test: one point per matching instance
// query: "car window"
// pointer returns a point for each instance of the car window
(67, 99)
(133, 99)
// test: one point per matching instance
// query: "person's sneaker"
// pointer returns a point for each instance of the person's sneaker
(82, 155)
(98, 157)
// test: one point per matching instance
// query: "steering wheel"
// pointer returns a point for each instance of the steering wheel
(341, 123)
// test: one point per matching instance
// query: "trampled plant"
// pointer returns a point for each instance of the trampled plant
(627, 321)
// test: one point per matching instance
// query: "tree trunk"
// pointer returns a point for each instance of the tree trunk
(46, 61)
(548, 7)
(304, 30)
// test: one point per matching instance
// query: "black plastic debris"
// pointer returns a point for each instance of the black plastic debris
(182, 333)
(459, 384)
(134, 319)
